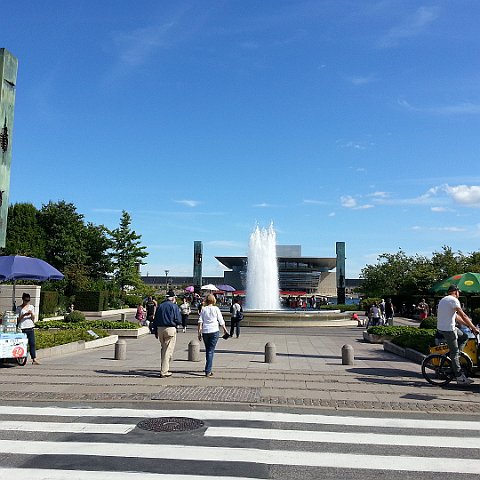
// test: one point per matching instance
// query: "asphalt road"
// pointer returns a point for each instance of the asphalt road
(238, 442)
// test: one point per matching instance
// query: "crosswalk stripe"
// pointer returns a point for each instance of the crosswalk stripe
(341, 437)
(53, 474)
(433, 424)
(60, 427)
(248, 455)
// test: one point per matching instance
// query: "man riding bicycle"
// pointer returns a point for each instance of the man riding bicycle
(449, 310)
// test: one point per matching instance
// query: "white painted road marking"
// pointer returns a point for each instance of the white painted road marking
(117, 428)
(248, 455)
(341, 437)
(433, 424)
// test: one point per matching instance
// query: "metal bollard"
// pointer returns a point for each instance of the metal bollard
(347, 355)
(121, 350)
(194, 351)
(270, 352)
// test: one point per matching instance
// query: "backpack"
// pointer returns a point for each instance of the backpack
(239, 315)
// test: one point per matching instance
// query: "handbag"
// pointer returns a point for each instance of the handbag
(239, 315)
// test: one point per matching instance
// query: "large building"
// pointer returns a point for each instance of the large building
(312, 275)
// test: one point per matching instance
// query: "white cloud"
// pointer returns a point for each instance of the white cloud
(462, 108)
(136, 46)
(412, 26)
(263, 205)
(348, 201)
(440, 209)
(364, 207)
(465, 195)
(188, 203)
(379, 195)
(314, 202)
(359, 81)
(439, 229)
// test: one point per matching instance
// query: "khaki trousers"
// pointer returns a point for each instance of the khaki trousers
(167, 337)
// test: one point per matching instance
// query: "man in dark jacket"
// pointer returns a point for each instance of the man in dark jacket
(167, 318)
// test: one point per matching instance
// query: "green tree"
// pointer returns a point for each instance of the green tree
(98, 244)
(127, 253)
(65, 234)
(25, 235)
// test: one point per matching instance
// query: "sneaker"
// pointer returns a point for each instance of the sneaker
(463, 380)
(164, 375)
(184, 330)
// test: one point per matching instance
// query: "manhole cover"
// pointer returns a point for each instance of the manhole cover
(170, 424)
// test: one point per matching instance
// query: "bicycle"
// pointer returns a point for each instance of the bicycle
(437, 367)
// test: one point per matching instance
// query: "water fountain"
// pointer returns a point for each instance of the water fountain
(263, 300)
(262, 271)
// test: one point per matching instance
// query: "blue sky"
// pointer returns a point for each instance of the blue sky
(341, 120)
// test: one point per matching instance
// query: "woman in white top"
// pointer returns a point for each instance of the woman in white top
(209, 320)
(26, 321)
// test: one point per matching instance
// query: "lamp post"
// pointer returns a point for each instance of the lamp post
(166, 281)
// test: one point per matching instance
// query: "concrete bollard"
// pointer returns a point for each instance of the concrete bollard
(123, 317)
(194, 351)
(121, 350)
(390, 322)
(270, 352)
(347, 355)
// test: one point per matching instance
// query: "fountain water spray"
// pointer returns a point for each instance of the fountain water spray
(262, 270)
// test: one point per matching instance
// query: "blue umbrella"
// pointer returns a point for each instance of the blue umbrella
(18, 267)
(226, 288)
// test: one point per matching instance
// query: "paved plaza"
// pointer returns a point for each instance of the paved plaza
(308, 371)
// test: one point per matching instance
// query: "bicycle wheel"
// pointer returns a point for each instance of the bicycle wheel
(21, 361)
(437, 369)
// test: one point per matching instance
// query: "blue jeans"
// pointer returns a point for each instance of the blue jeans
(31, 341)
(210, 340)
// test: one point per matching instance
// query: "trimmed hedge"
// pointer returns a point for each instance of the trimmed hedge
(87, 325)
(48, 302)
(421, 341)
(392, 331)
(91, 301)
(341, 306)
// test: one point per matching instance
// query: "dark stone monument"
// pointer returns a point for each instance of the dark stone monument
(340, 273)
(197, 266)
(8, 80)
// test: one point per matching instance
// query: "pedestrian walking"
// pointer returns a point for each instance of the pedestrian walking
(209, 321)
(167, 318)
(236, 317)
(186, 310)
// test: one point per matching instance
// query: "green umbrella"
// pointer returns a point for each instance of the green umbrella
(466, 282)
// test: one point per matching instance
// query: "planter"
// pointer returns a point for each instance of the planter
(123, 332)
(368, 337)
(73, 347)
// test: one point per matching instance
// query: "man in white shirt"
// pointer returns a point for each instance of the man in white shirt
(449, 311)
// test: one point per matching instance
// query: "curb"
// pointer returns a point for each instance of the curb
(74, 347)
(409, 353)
(130, 333)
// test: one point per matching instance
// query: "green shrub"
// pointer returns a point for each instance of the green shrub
(133, 300)
(86, 325)
(48, 303)
(75, 317)
(429, 323)
(421, 341)
(392, 331)
(91, 301)
(46, 339)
